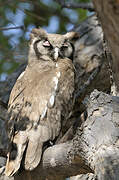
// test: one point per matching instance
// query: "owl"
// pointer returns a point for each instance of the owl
(41, 99)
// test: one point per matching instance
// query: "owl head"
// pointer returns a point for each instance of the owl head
(44, 46)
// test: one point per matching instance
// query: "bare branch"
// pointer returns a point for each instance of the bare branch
(59, 160)
(74, 5)
(9, 28)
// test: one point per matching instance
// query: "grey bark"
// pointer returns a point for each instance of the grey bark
(108, 13)
(88, 176)
(100, 135)
(75, 153)
(94, 148)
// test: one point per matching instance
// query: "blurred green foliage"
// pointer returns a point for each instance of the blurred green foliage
(26, 14)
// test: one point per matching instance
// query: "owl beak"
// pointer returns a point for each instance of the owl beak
(56, 53)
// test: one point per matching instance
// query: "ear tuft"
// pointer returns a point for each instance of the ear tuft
(72, 36)
(38, 33)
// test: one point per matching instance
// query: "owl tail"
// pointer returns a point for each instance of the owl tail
(33, 152)
(27, 144)
(33, 155)
(15, 155)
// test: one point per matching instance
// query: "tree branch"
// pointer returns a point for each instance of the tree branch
(74, 5)
(9, 28)
(59, 160)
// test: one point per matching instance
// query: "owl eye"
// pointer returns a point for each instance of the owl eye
(65, 45)
(46, 43)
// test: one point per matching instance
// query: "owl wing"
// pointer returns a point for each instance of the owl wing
(35, 107)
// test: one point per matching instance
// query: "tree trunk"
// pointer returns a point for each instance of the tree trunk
(108, 13)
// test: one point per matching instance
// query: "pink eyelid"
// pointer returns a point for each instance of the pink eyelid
(46, 43)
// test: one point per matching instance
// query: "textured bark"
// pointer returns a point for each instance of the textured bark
(88, 176)
(94, 148)
(58, 161)
(108, 12)
(100, 135)
(90, 62)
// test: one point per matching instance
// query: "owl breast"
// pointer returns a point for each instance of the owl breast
(51, 91)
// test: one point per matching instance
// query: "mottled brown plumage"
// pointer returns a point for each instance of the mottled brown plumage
(42, 95)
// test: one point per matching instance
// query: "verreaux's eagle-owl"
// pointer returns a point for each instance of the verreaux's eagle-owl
(42, 96)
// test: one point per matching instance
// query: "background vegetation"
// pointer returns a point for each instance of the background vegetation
(23, 15)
